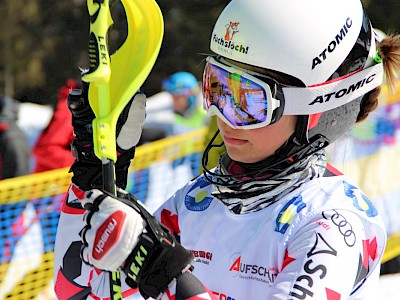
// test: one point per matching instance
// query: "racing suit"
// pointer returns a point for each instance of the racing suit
(323, 240)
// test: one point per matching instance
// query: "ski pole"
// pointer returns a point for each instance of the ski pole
(99, 76)
(115, 79)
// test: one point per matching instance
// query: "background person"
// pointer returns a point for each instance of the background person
(52, 149)
(178, 108)
(14, 146)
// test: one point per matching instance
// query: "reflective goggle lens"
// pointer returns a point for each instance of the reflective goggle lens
(241, 100)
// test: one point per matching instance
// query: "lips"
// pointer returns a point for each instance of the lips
(231, 140)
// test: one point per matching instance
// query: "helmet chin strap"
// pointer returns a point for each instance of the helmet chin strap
(290, 153)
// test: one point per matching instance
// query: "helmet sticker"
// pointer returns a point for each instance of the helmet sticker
(231, 30)
(332, 45)
(226, 44)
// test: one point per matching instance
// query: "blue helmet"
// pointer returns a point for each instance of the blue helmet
(182, 83)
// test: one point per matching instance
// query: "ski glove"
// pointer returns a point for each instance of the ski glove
(87, 167)
(121, 234)
(111, 232)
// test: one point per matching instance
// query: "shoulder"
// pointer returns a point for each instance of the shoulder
(338, 192)
(194, 196)
(311, 200)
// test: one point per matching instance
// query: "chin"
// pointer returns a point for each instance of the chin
(246, 157)
(241, 158)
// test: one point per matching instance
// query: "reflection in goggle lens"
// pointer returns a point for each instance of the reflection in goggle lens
(240, 100)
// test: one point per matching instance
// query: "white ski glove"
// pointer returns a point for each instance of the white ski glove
(131, 129)
(121, 234)
(87, 167)
(111, 232)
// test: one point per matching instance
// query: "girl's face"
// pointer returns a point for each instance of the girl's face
(254, 145)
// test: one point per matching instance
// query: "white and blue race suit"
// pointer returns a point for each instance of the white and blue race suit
(324, 240)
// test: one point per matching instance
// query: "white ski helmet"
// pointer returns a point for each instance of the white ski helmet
(314, 41)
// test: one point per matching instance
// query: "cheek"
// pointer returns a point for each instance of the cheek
(268, 139)
(265, 145)
(261, 142)
(281, 130)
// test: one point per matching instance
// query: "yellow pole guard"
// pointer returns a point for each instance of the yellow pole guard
(130, 66)
(100, 22)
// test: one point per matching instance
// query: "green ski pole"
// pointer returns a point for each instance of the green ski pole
(114, 80)
(99, 76)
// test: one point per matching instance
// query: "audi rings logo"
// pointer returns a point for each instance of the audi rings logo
(343, 226)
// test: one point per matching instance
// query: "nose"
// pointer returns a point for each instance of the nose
(223, 127)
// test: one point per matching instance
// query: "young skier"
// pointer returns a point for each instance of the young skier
(273, 220)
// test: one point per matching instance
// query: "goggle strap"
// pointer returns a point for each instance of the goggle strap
(333, 94)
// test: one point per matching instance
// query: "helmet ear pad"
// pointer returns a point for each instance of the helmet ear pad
(331, 124)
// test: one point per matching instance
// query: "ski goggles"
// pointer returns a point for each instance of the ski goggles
(244, 99)
(239, 98)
